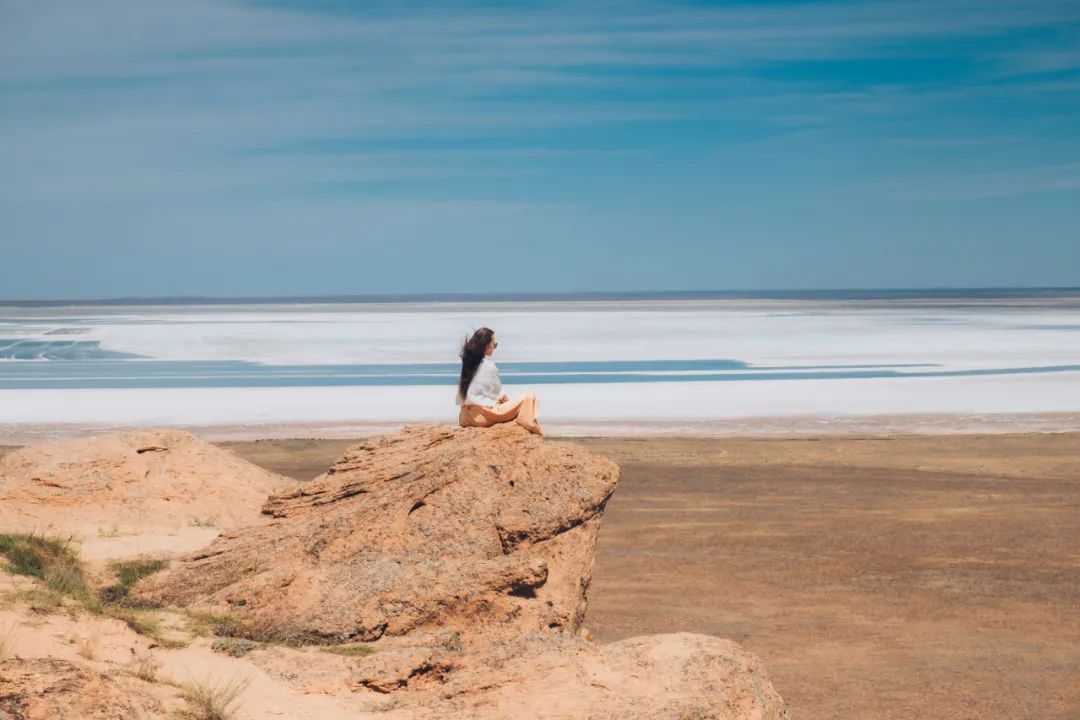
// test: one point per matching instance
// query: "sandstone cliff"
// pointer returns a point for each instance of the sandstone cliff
(463, 557)
(483, 531)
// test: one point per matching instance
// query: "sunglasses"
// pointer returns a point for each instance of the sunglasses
(495, 346)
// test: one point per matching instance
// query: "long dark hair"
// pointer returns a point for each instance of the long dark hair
(472, 354)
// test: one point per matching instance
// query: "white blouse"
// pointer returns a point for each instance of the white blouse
(485, 388)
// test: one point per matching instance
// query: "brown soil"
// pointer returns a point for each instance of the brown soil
(934, 577)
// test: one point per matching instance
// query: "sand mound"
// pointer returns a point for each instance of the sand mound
(144, 479)
(464, 557)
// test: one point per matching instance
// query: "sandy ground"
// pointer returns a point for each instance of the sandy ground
(786, 424)
(903, 577)
(906, 577)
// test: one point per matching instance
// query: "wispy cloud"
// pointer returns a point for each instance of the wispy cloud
(1005, 183)
(120, 105)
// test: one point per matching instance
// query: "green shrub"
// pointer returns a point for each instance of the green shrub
(128, 572)
(54, 562)
(49, 559)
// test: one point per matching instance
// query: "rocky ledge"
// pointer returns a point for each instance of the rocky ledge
(463, 556)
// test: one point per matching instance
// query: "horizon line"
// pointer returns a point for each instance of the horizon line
(988, 292)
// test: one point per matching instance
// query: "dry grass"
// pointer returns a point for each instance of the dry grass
(263, 630)
(51, 560)
(39, 599)
(350, 649)
(55, 563)
(212, 701)
(233, 647)
(127, 573)
(145, 667)
(141, 621)
(210, 623)
(7, 641)
(88, 645)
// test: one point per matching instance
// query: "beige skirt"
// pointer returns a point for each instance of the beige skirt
(523, 410)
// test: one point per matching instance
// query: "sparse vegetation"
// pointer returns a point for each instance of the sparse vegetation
(88, 645)
(254, 568)
(55, 562)
(234, 647)
(146, 667)
(210, 623)
(210, 701)
(39, 599)
(142, 622)
(171, 644)
(208, 521)
(128, 572)
(7, 641)
(51, 560)
(351, 649)
(262, 630)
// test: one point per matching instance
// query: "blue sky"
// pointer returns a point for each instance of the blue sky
(237, 148)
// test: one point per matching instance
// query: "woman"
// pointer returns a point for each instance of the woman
(480, 393)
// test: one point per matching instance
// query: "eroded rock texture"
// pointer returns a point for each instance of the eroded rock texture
(463, 556)
(479, 530)
(53, 689)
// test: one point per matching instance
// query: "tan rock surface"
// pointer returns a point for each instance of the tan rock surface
(54, 689)
(552, 675)
(431, 528)
(464, 557)
(126, 482)
(676, 676)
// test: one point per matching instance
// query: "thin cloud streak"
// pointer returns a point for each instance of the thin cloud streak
(705, 125)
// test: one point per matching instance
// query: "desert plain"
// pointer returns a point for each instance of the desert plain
(877, 577)
(921, 576)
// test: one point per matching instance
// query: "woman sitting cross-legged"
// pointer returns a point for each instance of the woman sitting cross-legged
(480, 393)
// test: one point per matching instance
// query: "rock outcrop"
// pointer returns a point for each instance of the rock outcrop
(676, 676)
(481, 531)
(463, 556)
(142, 479)
(545, 675)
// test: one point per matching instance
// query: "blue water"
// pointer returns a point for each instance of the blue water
(114, 374)
(848, 334)
(22, 349)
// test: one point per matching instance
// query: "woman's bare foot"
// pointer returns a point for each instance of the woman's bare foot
(535, 429)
